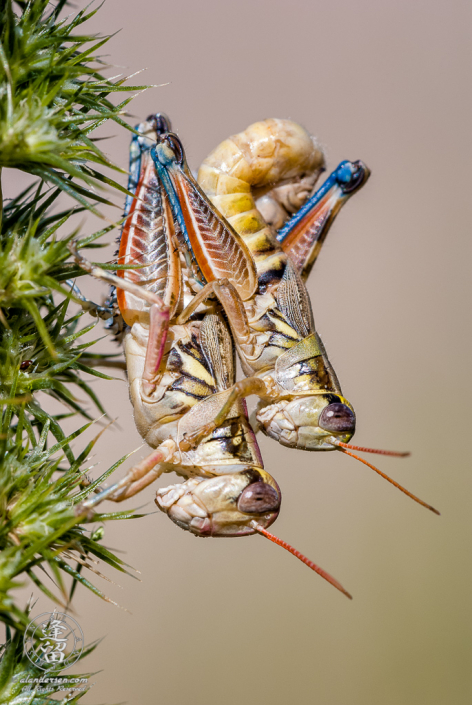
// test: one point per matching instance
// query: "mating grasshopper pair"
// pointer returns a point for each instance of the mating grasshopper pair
(202, 253)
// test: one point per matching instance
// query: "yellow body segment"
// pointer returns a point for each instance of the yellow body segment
(266, 153)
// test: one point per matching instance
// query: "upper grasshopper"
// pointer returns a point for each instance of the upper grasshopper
(258, 277)
(180, 366)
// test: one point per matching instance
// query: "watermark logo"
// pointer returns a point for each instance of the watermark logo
(53, 640)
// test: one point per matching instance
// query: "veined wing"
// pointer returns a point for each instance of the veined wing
(218, 250)
(148, 240)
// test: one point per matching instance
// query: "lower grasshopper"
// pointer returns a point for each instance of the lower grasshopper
(180, 375)
(236, 257)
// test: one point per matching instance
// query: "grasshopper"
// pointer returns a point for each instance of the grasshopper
(258, 277)
(180, 374)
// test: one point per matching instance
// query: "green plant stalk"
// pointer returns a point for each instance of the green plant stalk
(52, 97)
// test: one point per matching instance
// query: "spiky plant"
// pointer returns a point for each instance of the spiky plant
(21, 683)
(52, 97)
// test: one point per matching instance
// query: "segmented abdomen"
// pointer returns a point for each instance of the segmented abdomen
(264, 154)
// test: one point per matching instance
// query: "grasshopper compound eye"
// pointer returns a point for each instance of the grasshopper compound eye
(337, 418)
(258, 498)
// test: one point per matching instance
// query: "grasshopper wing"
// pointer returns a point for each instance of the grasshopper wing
(218, 350)
(148, 235)
(294, 302)
(218, 250)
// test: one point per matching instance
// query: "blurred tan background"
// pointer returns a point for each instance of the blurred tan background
(241, 621)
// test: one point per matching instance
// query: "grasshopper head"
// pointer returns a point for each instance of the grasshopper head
(224, 505)
(309, 422)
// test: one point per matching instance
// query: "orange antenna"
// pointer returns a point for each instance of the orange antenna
(260, 529)
(393, 453)
(386, 477)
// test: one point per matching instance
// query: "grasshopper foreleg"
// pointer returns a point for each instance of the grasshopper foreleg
(135, 480)
(243, 388)
(112, 279)
(103, 312)
(158, 317)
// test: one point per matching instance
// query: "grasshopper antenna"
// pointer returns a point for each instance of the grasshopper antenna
(393, 453)
(260, 529)
(342, 447)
